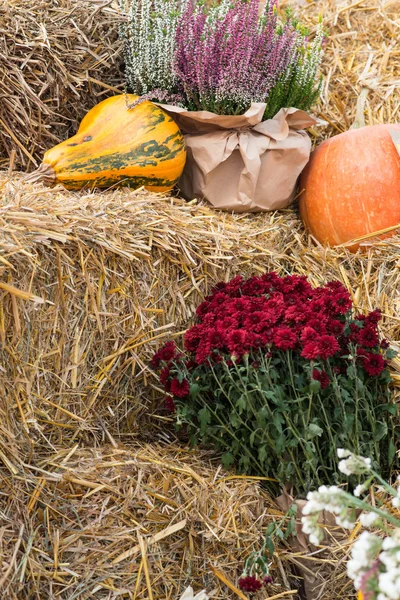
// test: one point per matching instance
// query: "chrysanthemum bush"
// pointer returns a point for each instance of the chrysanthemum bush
(220, 58)
(374, 566)
(276, 375)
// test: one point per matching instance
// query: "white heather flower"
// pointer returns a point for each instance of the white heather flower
(314, 539)
(368, 519)
(148, 34)
(389, 584)
(346, 522)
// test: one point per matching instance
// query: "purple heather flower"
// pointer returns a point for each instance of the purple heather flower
(229, 57)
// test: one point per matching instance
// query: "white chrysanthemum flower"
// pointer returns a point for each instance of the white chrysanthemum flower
(368, 519)
(396, 501)
(355, 465)
(343, 453)
(363, 554)
(360, 489)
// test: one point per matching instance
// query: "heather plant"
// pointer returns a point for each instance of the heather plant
(300, 85)
(148, 34)
(276, 375)
(229, 56)
(374, 564)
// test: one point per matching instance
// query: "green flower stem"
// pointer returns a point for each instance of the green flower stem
(232, 433)
(232, 404)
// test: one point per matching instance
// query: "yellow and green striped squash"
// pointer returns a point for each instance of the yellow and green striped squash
(140, 146)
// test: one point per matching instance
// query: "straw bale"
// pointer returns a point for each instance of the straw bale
(92, 283)
(142, 522)
(57, 59)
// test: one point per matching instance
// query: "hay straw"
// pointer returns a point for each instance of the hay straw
(361, 56)
(54, 57)
(91, 285)
(110, 523)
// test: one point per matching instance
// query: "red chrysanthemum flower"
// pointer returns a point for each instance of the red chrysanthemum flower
(253, 341)
(254, 287)
(250, 584)
(310, 350)
(209, 319)
(322, 377)
(216, 358)
(193, 337)
(180, 389)
(374, 317)
(219, 287)
(237, 342)
(373, 364)
(165, 354)
(234, 286)
(295, 283)
(336, 286)
(360, 317)
(267, 580)
(341, 302)
(308, 335)
(324, 347)
(297, 313)
(203, 351)
(327, 346)
(170, 404)
(385, 345)
(252, 320)
(241, 305)
(203, 309)
(164, 376)
(367, 337)
(216, 338)
(285, 338)
(231, 322)
(335, 327)
(319, 325)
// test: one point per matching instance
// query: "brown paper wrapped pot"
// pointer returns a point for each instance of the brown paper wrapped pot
(241, 163)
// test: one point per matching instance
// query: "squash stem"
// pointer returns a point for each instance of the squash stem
(44, 174)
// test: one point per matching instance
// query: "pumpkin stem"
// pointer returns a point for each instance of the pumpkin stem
(368, 85)
(44, 174)
(359, 121)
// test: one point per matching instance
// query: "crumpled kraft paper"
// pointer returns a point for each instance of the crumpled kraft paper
(241, 163)
(312, 579)
(189, 595)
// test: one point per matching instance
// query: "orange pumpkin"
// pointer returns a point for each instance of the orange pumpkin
(352, 186)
